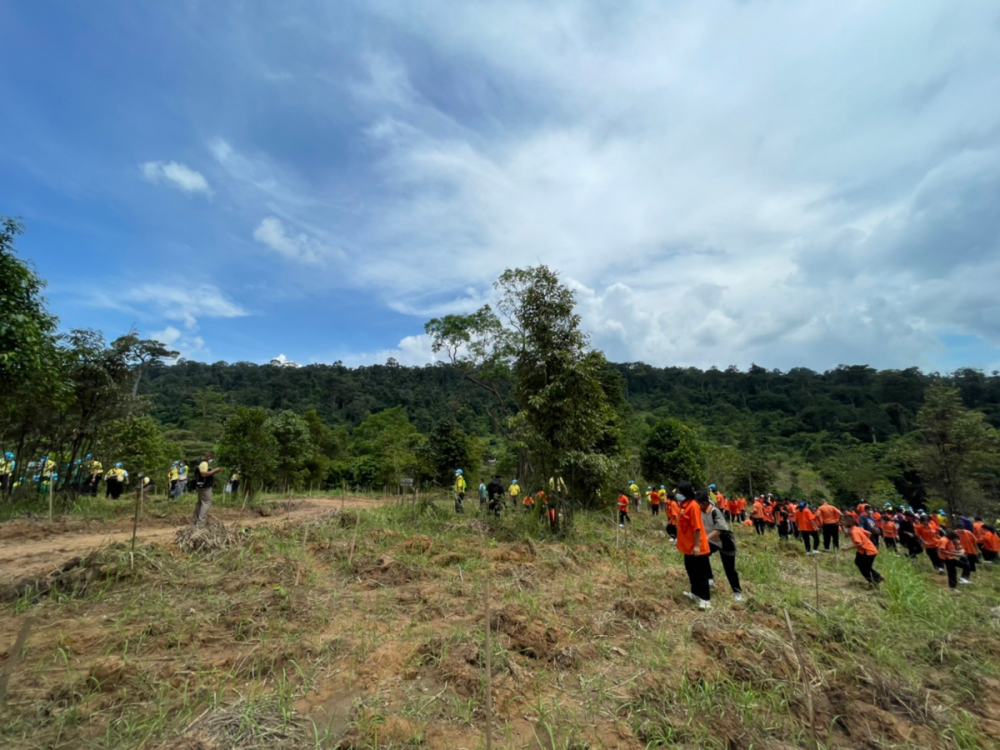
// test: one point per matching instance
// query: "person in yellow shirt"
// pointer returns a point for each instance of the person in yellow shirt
(115, 481)
(204, 481)
(633, 493)
(514, 491)
(96, 470)
(460, 486)
(7, 466)
(172, 476)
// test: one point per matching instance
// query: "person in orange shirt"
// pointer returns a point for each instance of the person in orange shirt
(990, 545)
(673, 511)
(529, 501)
(783, 521)
(808, 526)
(829, 521)
(741, 508)
(692, 542)
(623, 510)
(865, 552)
(929, 540)
(769, 513)
(891, 533)
(757, 516)
(951, 553)
(656, 498)
(971, 548)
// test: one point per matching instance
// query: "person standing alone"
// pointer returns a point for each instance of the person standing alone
(204, 481)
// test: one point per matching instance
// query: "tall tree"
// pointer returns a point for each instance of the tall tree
(294, 447)
(953, 444)
(248, 446)
(552, 394)
(672, 455)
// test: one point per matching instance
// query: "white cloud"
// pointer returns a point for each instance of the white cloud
(187, 345)
(271, 232)
(412, 351)
(175, 300)
(178, 175)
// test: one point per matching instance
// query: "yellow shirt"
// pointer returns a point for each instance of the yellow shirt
(96, 467)
(5, 466)
(633, 490)
(203, 468)
(172, 475)
(515, 490)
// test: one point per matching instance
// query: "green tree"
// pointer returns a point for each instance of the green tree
(248, 446)
(552, 396)
(390, 441)
(853, 470)
(295, 446)
(138, 443)
(449, 448)
(953, 444)
(672, 454)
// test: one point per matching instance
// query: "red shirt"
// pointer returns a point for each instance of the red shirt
(691, 530)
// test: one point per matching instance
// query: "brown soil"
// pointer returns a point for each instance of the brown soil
(29, 547)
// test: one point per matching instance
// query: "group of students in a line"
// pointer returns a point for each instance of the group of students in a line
(493, 497)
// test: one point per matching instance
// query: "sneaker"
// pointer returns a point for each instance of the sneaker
(621, 526)
(941, 571)
(703, 605)
(711, 581)
(672, 539)
(691, 596)
(964, 580)
(738, 596)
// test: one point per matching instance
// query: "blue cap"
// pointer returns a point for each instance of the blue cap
(89, 455)
(711, 486)
(118, 465)
(8, 454)
(514, 481)
(801, 506)
(458, 471)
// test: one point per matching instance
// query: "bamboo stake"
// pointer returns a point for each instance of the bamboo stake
(816, 570)
(489, 650)
(51, 488)
(628, 564)
(354, 540)
(805, 681)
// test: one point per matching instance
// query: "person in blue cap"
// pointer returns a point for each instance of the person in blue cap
(460, 486)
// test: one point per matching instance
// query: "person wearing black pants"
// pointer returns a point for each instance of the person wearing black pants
(692, 542)
(721, 540)
(865, 552)
(952, 555)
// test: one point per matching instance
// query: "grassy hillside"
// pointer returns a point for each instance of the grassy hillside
(297, 635)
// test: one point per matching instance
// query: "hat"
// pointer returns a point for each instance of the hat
(457, 472)
(711, 486)
(513, 481)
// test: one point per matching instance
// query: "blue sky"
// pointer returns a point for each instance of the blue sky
(787, 183)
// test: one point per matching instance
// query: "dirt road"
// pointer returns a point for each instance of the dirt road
(35, 547)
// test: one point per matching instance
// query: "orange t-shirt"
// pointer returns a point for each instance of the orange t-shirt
(673, 511)
(654, 498)
(805, 519)
(623, 502)
(862, 543)
(529, 499)
(926, 534)
(949, 550)
(968, 541)
(742, 504)
(991, 541)
(935, 526)
(757, 511)
(828, 514)
(769, 513)
(691, 530)
(889, 529)
(979, 530)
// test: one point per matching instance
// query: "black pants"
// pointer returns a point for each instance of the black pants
(989, 556)
(971, 561)
(459, 498)
(114, 488)
(831, 535)
(784, 530)
(656, 509)
(934, 557)
(758, 526)
(729, 566)
(810, 536)
(876, 538)
(623, 517)
(911, 543)
(890, 543)
(865, 564)
(672, 530)
(953, 567)
(698, 570)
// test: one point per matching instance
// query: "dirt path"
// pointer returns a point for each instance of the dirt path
(34, 548)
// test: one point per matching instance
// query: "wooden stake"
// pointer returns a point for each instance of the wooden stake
(138, 505)
(805, 681)
(15, 657)
(817, 583)
(628, 564)
(51, 488)
(357, 522)
(489, 650)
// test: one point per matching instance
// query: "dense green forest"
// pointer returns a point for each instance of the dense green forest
(521, 393)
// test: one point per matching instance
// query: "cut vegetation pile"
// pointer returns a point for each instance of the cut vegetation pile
(366, 630)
